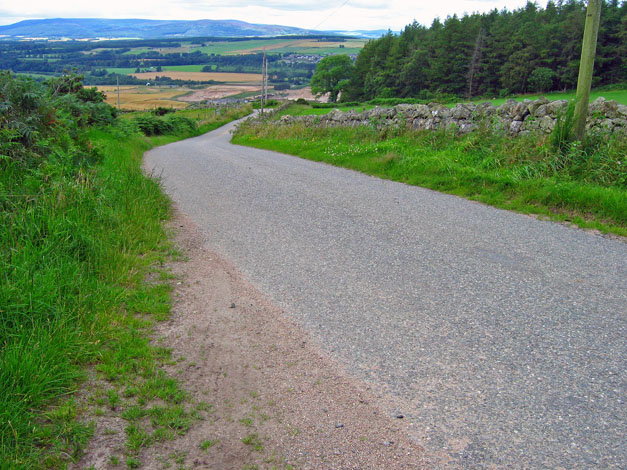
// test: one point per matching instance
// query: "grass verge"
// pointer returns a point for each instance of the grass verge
(82, 253)
(584, 185)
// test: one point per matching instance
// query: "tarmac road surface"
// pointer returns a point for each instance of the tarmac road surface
(502, 336)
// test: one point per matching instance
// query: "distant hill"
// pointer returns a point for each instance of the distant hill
(86, 28)
(90, 28)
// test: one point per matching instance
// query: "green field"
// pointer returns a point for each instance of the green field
(138, 51)
(121, 70)
(317, 50)
(36, 75)
(617, 95)
(179, 68)
(184, 68)
(283, 46)
(234, 47)
(304, 110)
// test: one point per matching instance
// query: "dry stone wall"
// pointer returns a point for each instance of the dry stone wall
(512, 117)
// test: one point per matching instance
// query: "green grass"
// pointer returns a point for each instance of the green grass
(139, 51)
(325, 50)
(305, 110)
(77, 242)
(82, 248)
(206, 119)
(523, 174)
(179, 68)
(254, 441)
(234, 47)
(617, 95)
(207, 444)
(37, 75)
(184, 68)
(121, 70)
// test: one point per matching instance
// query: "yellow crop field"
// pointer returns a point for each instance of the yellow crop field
(137, 98)
(113, 88)
(202, 76)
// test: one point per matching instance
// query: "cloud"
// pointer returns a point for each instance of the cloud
(319, 14)
(296, 5)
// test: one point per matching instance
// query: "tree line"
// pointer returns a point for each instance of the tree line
(497, 53)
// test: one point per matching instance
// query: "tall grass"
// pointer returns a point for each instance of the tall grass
(80, 228)
(585, 184)
(75, 245)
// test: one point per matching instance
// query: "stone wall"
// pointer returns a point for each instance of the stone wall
(512, 117)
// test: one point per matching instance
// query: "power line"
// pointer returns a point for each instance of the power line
(332, 13)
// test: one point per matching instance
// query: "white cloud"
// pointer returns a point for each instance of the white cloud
(324, 14)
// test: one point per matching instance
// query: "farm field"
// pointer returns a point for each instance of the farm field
(216, 92)
(121, 70)
(161, 50)
(173, 68)
(184, 68)
(202, 76)
(315, 47)
(238, 47)
(308, 46)
(139, 98)
(302, 46)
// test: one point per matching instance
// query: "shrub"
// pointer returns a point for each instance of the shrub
(153, 125)
(162, 111)
(541, 79)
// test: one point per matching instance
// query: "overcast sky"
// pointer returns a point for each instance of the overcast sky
(313, 14)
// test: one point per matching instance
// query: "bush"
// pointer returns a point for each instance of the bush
(34, 117)
(162, 111)
(541, 79)
(334, 105)
(153, 125)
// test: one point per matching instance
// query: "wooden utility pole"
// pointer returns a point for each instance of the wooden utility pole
(117, 77)
(263, 79)
(586, 65)
(265, 74)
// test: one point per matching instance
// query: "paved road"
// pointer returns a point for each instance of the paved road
(503, 335)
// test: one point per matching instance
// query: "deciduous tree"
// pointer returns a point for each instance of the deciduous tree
(332, 75)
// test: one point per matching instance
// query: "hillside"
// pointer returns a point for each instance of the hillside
(86, 28)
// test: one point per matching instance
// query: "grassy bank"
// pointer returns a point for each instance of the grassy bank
(584, 185)
(82, 245)
(619, 96)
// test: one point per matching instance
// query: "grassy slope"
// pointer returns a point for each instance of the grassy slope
(74, 262)
(616, 95)
(305, 110)
(519, 174)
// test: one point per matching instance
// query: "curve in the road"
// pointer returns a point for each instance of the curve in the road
(503, 335)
